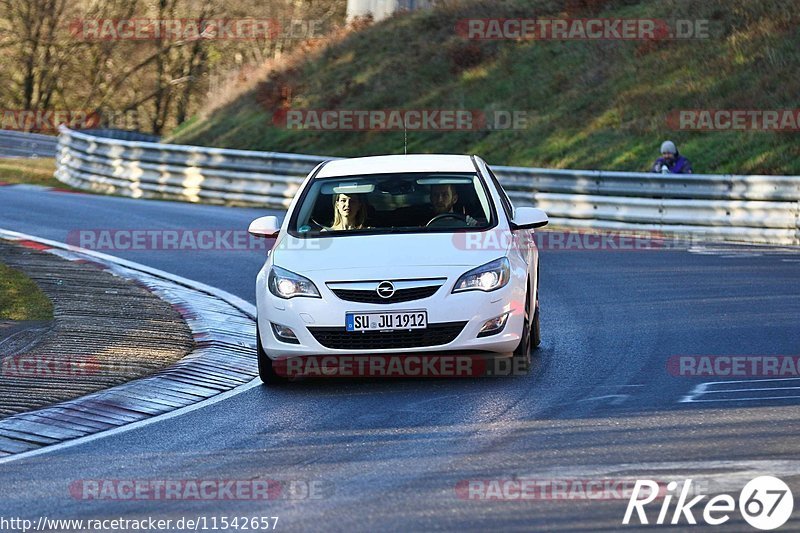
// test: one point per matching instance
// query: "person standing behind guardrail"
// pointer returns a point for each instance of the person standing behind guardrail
(671, 162)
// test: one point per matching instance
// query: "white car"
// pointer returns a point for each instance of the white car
(399, 256)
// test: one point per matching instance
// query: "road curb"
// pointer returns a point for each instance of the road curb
(222, 362)
(105, 330)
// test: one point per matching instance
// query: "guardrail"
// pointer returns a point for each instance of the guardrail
(761, 209)
(764, 209)
(192, 173)
(30, 145)
(123, 135)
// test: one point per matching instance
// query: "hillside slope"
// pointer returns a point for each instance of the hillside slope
(591, 104)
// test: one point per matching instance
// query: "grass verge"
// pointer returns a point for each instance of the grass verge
(591, 104)
(37, 171)
(20, 297)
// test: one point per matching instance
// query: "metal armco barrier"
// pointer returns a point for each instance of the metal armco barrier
(193, 173)
(26, 145)
(761, 209)
(123, 135)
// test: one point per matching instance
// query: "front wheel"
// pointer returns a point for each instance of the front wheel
(536, 330)
(266, 370)
(522, 354)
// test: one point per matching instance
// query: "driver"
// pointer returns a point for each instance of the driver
(443, 197)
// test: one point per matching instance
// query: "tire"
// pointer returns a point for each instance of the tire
(536, 330)
(266, 371)
(521, 359)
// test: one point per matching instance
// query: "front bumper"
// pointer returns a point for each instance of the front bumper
(454, 322)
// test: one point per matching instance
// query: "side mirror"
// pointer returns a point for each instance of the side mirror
(529, 217)
(264, 227)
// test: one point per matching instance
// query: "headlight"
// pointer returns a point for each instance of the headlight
(285, 284)
(485, 278)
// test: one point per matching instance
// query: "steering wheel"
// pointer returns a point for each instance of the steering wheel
(443, 216)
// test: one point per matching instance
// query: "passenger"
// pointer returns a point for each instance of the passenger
(349, 212)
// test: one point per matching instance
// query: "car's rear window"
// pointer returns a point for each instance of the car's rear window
(396, 203)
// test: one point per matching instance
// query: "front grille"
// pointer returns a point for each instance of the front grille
(371, 296)
(341, 339)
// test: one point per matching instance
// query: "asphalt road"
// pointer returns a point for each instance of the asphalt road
(600, 402)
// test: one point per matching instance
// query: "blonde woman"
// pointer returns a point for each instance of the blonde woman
(349, 212)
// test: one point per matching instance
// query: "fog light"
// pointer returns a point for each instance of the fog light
(493, 326)
(284, 334)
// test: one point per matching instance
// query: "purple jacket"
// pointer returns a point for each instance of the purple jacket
(679, 165)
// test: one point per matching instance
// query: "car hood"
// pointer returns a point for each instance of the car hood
(387, 251)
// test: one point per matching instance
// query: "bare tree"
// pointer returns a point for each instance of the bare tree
(49, 64)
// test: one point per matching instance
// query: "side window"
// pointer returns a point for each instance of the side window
(508, 207)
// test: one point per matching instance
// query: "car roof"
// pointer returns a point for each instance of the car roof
(389, 164)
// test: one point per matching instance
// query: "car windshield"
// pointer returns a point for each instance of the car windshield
(393, 203)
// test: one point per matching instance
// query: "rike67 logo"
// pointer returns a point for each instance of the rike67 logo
(765, 503)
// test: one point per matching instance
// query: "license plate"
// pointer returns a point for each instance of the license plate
(386, 321)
